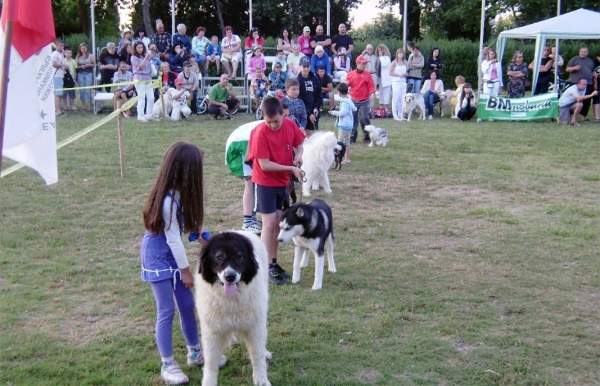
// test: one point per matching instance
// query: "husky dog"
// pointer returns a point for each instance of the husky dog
(232, 299)
(339, 152)
(412, 101)
(317, 159)
(310, 226)
(377, 135)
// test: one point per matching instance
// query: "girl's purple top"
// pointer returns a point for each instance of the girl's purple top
(141, 71)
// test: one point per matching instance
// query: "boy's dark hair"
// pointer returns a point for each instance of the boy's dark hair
(343, 88)
(291, 83)
(467, 85)
(180, 171)
(271, 107)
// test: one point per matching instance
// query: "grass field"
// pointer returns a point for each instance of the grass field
(467, 254)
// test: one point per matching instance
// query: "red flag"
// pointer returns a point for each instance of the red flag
(33, 24)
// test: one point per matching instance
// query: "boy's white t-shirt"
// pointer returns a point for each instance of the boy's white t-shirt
(182, 98)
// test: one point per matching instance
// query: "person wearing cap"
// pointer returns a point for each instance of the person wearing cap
(191, 82)
(320, 59)
(231, 47)
(310, 93)
(277, 78)
(304, 42)
(180, 98)
(181, 38)
(341, 65)
(342, 39)
(126, 37)
(362, 90)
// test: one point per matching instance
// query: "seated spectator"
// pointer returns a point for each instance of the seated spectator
(256, 63)
(342, 39)
(177, 58)
(281, 59)
(109, 62)
(582, 66)
(434, 62)
(320, 59)
(296, 107)
(320, 39)
(195, 67)
(191, 82)
(571, 101)
(254, 40)
(126, 53)
(342, 65)
(180, 98)
(517, 75)
(220, 99)
(459, 81)
(125, 92)
(199, 45)
(126, 37)
(163, 41)
(467, 104)
(284, 42)
(213, 52)
(369, 53)
(277, 77)
(154, 57)
(326, 84)
(231, 47)
(168, 76)
(293, 62)
(140, 35)
(182, 39)
(545, 72)
(431, 91)
(259, 86)
(304, 42)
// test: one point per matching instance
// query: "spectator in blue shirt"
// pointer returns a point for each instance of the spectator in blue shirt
(277, 78)
(320, 59)
(181, 38)
(213, 53)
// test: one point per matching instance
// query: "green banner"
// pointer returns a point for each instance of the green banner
(544, 106)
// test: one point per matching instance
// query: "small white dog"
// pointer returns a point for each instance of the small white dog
(377, 135)
(317, 158)
(412, 101)
(232, 300)
(445, 102)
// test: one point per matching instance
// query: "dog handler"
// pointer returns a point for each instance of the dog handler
(362, 91)
(275, 151)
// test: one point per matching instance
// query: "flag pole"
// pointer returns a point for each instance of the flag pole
(480, 57)
(404, 25)
(4, 81)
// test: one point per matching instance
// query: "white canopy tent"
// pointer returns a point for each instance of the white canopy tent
(581, 24)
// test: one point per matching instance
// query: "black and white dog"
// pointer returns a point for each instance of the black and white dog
(340, 152)
(310, 226)
(232, 299)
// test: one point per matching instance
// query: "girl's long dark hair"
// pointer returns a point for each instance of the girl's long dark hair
(135, 52)
(181, 171)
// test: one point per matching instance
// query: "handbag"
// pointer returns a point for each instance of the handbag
(68, 81)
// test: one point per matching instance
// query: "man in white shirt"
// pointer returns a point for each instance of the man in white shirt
(571, 102)
(231, 47)
(58, 62)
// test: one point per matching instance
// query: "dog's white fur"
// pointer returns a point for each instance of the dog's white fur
(412, 101)
(445, 102)
(223, 318)
(317, 158)
(377, 135)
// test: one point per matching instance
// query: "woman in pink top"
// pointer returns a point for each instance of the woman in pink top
(142, 71)
(304, 42)
(257, 61)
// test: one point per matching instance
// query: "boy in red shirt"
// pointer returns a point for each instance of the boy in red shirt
(362, 91)
(275, 151)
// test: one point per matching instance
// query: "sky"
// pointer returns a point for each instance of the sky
(366, 12)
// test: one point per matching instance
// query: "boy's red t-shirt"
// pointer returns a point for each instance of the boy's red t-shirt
(276, 146)
(361, 85)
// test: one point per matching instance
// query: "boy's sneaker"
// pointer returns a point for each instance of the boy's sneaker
(252, 225)
(277, 275)
(172, 374)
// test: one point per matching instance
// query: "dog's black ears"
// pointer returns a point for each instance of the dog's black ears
(300, 212)
(204, 268)
(251, 267)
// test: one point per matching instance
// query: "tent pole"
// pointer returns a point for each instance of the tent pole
(172, 18)
(328, 18)
(404, 25)
(93, 33)
(250, 14)
(8, 31)
(556, 88)
(480, 56)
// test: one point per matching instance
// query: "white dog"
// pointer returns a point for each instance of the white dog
(232, 299)
(317, 158)
(412, 101)
(445, 102)
(377, 135)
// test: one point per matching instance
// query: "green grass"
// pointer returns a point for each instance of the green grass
(468, 254)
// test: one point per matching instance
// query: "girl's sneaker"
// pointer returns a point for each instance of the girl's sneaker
(195, 358)
(172, 374)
